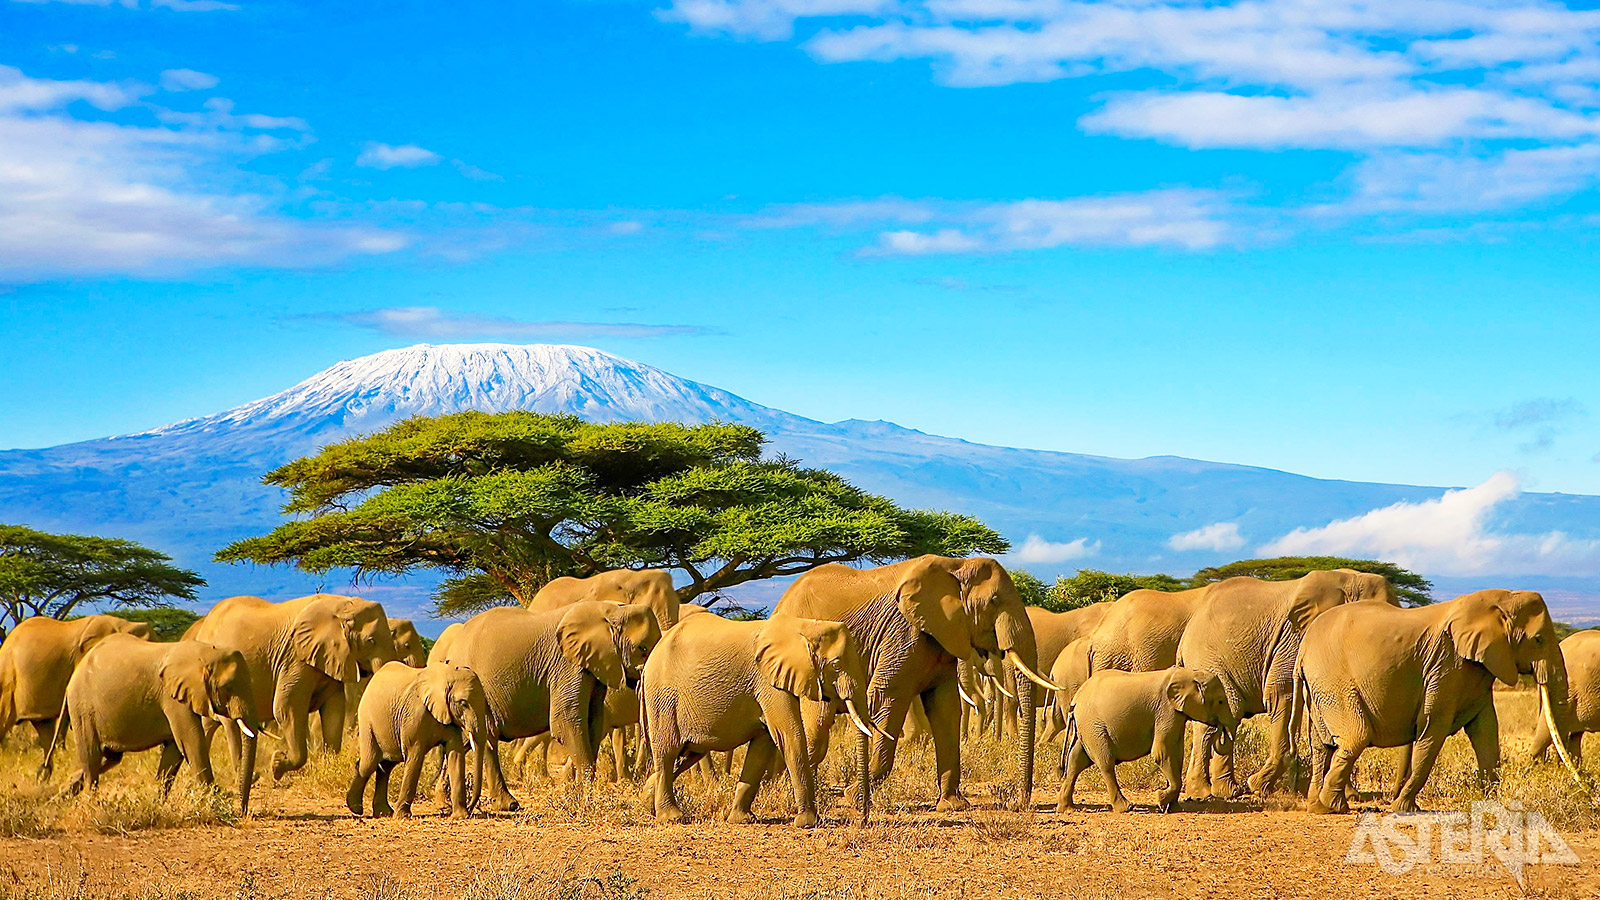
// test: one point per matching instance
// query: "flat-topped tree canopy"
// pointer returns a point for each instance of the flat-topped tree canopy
(505, 502)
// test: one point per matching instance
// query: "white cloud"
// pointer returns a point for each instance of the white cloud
(1187, 219)
(389, 156)
(187, 80)
(1449, 535)
(85, 196)
(1038, 550)
(1505, 94)
(1216, 536)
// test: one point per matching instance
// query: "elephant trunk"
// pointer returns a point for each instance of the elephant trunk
(1015, 633)
(247, 769)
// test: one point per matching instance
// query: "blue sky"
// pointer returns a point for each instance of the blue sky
(1351, 240)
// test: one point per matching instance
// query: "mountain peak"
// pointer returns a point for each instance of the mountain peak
(434, 379)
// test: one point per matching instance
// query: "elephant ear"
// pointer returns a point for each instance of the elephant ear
(184, 680)
(586, 639)
(787, 660)
(1316, 593)
(930, 598)
(322, 641)
(1481, 636)
(434, 685)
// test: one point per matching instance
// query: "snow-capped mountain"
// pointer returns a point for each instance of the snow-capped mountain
(431, 379)
(190, 487)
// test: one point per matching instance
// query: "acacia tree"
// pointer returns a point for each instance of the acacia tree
(1410, 588)
(502, 503)
(43, 574)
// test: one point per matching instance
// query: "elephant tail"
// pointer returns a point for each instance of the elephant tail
(1299, 704)
(644, 730)
(55, 741)
(1068, 740)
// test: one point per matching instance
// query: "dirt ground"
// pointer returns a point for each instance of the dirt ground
(318, 850)
(569, 842)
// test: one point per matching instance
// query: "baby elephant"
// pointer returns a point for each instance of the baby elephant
(129, 694)
(713, 684)
(407, 712)
(1123, 716)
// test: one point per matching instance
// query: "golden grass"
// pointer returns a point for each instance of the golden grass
(127, 800)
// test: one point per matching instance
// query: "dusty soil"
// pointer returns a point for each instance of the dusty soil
(305, 848)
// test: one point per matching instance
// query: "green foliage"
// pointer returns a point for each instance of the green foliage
(1030, 587)
(1094, 586)
(43, 574)
(1409, 587)
(168, 622)
(504, 503)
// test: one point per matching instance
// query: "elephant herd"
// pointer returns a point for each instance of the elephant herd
(1330, 660)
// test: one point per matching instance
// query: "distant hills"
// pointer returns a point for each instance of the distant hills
(192, 486)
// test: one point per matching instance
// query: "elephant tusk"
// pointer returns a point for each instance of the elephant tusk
(1035, 677)
(1557, 738)
(862, 723)
(245, 728)
(965, 697)
(1000, 686)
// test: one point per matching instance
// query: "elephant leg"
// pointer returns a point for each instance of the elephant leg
(380, 789)
(759, 756)
(366, 765)
(494, 782)
(412, 772)
(1108, 770)
(787, 730)
(292, 716)
(1484, 734)
(1424, 750)
(819, 726)
(194, 747)
(1402, 772)
(1197, 776)
(167, 767)
(619, 754)
(332, 714)
(1341, 765)
(666, 751)
(943, 704)
(1265, 780)
(1076, 760)
(1170, 762)
(456, 762)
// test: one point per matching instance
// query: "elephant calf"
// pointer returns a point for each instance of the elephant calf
(407, 712)
(1123, 716)
(716, 684)
(129, 694)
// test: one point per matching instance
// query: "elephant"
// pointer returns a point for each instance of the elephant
(550, 671)
(650, 587)
(129, 695)
(1247, 632)
(1140, 631)
(714, 684)
(302, 653)
(1123, 716)
(1054, 631)
(1375, 675)
(914, 620)
(408, 711)
(407, 648)
(1070, 671)
(37, 660)
(407, 643)
(1581, 655)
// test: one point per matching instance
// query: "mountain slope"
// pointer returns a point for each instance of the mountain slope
(190, 487)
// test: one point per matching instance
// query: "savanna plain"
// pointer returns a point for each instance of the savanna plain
(578, 841)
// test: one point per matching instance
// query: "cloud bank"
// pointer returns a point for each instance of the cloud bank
(1447, 536)
(1037, 550)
